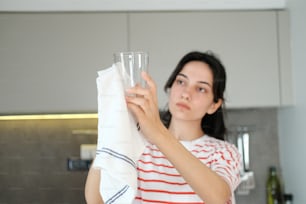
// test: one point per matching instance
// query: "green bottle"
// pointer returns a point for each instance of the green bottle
(274, 190)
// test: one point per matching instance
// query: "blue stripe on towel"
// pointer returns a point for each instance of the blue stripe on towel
(117, 195)
(117, 155)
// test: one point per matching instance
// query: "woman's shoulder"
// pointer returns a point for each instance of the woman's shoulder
(219, 144)
(224, 151)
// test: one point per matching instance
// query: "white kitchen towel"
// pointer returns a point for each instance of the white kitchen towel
(120, 143)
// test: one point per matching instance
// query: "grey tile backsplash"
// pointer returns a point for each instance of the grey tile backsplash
(264, 148)
(33, 156)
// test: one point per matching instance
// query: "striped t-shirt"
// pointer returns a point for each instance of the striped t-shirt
(160, 182)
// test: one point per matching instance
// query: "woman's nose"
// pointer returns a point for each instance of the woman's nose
(186, 95)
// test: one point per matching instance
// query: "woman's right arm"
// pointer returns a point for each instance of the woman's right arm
(92, 187)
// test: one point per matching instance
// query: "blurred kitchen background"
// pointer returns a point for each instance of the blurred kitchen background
(50, 54)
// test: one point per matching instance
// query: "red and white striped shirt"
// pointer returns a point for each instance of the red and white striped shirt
(159, 181)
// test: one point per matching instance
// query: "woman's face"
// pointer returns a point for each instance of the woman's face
(191, 94)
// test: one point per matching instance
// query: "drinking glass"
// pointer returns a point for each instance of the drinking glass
(130, 65)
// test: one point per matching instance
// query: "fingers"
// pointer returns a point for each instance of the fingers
(137, 90)
(142, 97)
(136, 110)
(138, 102)
(143, 90)
(143, 101)
(149, 92)
(149, 80)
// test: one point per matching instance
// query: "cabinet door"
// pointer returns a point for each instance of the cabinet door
(49, 61)
(246, 42)
(286, 80)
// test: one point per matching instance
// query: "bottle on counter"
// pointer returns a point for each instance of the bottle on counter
(274, 188)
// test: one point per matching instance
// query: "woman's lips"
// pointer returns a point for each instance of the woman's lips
(183, 105)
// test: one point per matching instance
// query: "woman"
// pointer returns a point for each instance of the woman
(187, 160)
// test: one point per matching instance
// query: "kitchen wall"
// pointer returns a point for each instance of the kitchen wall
(292, 119)
(264, 148)
(33, 155)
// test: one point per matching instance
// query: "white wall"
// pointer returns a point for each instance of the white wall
(292, 121)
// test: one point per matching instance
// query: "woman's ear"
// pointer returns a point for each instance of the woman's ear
(214, 106)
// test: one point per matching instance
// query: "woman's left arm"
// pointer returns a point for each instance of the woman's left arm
(206, 183)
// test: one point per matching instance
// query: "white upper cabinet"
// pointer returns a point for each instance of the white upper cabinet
(49, 61)
(246, 42)
(285, 68)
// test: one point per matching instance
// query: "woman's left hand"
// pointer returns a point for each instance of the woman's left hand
(143, 103)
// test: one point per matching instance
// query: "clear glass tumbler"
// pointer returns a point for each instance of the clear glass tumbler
(130, 65)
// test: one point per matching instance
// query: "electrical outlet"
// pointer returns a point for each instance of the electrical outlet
(88, 151)
(77, 164)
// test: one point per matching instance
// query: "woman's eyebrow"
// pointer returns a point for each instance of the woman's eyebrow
(202, 82)
(183, 75)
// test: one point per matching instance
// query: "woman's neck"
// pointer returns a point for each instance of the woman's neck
(186, 130)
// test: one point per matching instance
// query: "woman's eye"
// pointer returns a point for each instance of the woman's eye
(201, 89)
(179, 82)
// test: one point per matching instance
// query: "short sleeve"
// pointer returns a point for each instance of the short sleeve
(227, 164)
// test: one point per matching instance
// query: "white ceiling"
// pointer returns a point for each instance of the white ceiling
(138, 5)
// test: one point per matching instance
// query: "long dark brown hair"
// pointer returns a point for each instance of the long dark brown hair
(212, 124)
